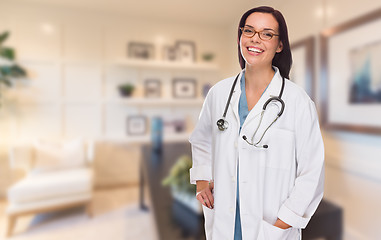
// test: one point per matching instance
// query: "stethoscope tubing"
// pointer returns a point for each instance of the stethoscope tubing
(222, 124)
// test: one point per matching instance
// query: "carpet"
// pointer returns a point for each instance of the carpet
(125, 223)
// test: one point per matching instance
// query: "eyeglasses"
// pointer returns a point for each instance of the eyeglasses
(264, 35)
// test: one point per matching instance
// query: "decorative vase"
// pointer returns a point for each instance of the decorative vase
(157, 133)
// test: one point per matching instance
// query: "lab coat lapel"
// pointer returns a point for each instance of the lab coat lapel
(235, 97)
(272, 91)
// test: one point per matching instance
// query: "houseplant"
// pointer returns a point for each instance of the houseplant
(181, 189)
(126, 89)
(9, 69)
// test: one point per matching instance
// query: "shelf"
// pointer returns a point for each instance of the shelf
(166, 65)
(181, 137)
(145, 102)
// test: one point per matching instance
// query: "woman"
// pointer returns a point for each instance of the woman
(259, 176)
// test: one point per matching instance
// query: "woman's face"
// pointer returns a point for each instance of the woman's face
(255, 51)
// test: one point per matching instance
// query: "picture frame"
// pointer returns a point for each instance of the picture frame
(152, 88)
(342, 70)
(169, 53)
(136, 125)
(186, 51)
(139, 50)
(303, 65)
(174, 124)
(184, 88)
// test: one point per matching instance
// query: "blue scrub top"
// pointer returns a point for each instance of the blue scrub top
(243, 111)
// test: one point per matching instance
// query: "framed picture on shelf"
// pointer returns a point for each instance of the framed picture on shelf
(152, 88)
(184, 88)
(136, 125)
(138, 50)
(174, 124)
(169, 53)
(303, 70)
(186, 51)
(351, 75)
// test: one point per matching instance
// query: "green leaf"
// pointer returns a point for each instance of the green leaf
(3, 36)
(5, 70)
(179, 175)
(14, 71)
(6, 81)
(8, 53)
(17, 71)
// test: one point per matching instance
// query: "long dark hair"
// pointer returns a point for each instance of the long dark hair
(282, 60)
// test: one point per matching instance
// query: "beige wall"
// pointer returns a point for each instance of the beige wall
(353, 162)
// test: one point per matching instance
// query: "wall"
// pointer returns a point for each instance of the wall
(353, 160)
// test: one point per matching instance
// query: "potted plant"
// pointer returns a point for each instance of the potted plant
(181, 189)
(208, 56)
(9, 69)
(126, 89)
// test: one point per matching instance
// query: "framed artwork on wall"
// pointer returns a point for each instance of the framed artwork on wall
(138, 50)
(351, 75)
(303, 65)
(136, 125)
(152, 88)
(184, 88)
(186, 51)
(169, 53)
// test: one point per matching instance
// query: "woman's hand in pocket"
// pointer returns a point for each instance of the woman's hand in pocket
(204, 193)
(280, 224)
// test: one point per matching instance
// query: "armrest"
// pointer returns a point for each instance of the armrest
(21, 157)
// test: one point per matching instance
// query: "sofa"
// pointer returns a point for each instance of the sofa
(58, 175)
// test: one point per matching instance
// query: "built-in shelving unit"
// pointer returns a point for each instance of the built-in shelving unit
(163, 102)
(170, 70)
(147, 138)
(154, 64)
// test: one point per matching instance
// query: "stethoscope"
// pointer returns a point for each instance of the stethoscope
(223, 124)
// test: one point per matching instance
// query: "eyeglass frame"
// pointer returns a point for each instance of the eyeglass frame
(259, 35)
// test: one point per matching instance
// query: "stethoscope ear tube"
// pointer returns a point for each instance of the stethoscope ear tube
(255, 145)
(275, 99)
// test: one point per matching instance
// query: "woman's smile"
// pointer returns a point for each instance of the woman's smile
(255, 51)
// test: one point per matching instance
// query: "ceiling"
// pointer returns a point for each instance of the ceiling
(216, 12)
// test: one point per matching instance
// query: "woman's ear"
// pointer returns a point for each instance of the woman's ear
(280, 47)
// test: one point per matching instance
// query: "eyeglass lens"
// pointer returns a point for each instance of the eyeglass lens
(264, 35)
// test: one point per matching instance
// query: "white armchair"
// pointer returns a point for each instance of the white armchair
(58, 175)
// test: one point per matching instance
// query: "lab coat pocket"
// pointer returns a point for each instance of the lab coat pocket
(209, 219)
(281, 148)
(271, 232)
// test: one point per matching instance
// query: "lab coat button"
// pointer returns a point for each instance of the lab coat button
(231, 209)
(233, 179)
(235, 144)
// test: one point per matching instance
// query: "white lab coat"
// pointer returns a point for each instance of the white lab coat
(283, 181)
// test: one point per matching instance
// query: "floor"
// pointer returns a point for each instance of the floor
(116, 216)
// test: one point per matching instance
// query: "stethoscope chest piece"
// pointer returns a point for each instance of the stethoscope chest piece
(222, 124)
